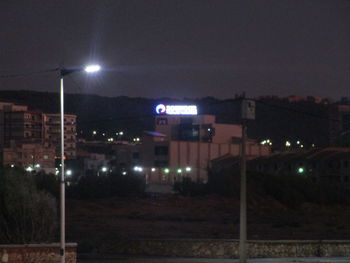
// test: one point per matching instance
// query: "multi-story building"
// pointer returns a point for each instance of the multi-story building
(22, 126)
(7, 107)
(52, 133)
(30, 156)
(183, 145)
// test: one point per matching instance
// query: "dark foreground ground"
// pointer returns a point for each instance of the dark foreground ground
(95, 222)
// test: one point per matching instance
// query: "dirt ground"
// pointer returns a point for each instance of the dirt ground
(92, 222)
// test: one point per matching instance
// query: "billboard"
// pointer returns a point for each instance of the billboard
(162, 109)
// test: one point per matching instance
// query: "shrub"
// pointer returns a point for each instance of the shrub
(27, 215)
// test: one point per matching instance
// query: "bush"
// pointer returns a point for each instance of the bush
(27, 215)
(48, 183)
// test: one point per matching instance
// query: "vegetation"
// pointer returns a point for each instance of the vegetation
(291, 191)
(27, 215)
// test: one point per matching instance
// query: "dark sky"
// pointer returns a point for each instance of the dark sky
(187, 48)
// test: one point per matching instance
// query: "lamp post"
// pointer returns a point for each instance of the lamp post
(64, 72)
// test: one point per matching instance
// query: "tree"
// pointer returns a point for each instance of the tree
(27, 215)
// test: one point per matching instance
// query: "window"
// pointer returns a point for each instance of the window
(161, 150)
(136, 155)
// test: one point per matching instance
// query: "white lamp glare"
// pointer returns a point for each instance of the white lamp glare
(92, 68)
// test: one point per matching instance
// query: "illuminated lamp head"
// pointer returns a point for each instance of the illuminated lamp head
(160, 109)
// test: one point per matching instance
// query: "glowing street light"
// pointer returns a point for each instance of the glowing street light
(65, 72)
(188, 169)
(92, 68)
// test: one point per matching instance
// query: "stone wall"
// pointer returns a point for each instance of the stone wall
(38, 253)
(215, 248)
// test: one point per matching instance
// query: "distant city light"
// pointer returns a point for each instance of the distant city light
(94, 132)
(104, 169)
(301, 146)
(103, 134)
(166, 170)
(288, 144)
(138, 169)
(116, 133)
(298, 142)
(267, 141)
(313, 145)
(188, 169)
(29, 169)
(301, 170)
(37, 165)
(121, 133)
(12, 165)
(69, 172)
(153, 169)
(179, 170)
(124, 173)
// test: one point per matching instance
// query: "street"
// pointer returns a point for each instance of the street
(126, 259)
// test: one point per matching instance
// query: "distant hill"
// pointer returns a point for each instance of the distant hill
(276, 118)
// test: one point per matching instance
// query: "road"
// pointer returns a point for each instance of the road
(125, 259)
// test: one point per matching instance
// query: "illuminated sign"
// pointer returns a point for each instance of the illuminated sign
(176, 109)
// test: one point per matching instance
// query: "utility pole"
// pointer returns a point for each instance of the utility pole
(247, 112)
(243, 199)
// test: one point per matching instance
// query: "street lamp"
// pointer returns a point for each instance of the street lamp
(64, 72)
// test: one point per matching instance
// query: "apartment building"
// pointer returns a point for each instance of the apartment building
(32, 156)
(52, 133)
(23, 126)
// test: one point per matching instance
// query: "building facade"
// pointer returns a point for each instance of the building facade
(52, 133)
(23, 126)
(184, 146)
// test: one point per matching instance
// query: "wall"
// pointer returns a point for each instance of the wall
(38, 253)
(212, 248)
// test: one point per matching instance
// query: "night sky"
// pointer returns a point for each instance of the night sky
(188, 48)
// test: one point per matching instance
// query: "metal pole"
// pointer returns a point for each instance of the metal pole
(243, 200)
(62, 184)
